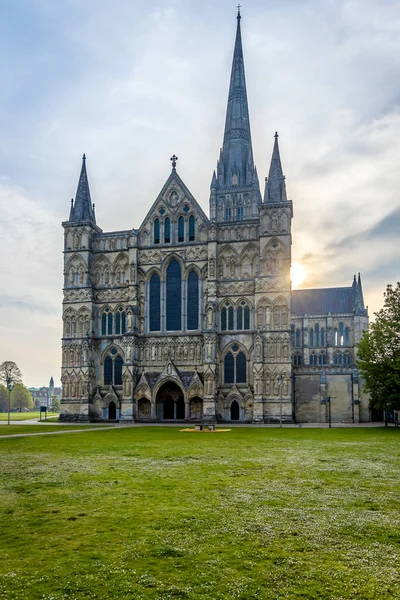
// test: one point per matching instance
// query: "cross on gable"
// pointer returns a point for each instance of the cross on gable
(173, 159)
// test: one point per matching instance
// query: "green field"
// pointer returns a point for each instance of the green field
(24, 416)
(151, 512)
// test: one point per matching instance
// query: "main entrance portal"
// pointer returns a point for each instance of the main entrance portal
(170, 403)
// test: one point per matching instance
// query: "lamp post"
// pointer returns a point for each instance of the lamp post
(280, 381)
(9, 383)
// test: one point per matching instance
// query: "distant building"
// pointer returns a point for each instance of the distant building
(43, 396)
(192, 317)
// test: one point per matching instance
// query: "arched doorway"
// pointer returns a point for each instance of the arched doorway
(144, 409)
(170, 403)
(112, 411)
(234, 411)
(196, 408)
(169, 409)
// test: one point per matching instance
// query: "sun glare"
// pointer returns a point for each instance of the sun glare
(297, 274)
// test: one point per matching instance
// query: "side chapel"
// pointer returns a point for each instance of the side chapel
(191, 317)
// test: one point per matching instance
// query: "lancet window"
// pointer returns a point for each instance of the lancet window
(193, 301)
(235, 366)
(113, 364)
(173, 304)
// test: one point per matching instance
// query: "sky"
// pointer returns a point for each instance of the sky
(130, 83)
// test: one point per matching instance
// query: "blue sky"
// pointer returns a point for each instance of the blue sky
(131, 83)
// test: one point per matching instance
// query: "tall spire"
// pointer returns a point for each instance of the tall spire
(237, 153)
(236, 182)
(275, 189)
(82, 208)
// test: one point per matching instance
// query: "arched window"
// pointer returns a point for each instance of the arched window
(313, 359)
(298, 338)
(316, 334)
(347, 336)
(107, 322)
(311, 337)
(243, 316)
(322, 336)
(113, 368)
(240, 213)
(229, 368)
(322, 358)
(191, 228)
(241, 368)
(120, 321)
(335, 337)
(108, 371)
(181, 229)
(167, 230)
(155, 312)
(228, 213)
(347, 358)
(227, 317)
(193, 301)
(235, 366)
(118, 362)
(156, 231)
(341, 334)
(338, 360)
(104, 323)
(297, 360)
(173, 297)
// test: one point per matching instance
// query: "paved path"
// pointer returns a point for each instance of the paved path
(55, 432)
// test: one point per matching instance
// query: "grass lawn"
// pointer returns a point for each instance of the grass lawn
(24, 416)
(155, 513)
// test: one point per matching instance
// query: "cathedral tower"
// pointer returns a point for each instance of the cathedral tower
(78, 375)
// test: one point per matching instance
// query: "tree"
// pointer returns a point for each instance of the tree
(10, 373)
(3, 399)
(55, 404)
(378, 353)
(21, 397)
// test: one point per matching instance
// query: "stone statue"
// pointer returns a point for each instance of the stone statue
(129, 320)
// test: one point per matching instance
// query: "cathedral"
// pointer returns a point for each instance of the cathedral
(192, 317)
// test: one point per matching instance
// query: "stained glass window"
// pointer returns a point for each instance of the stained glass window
(118, 362)
(154, 313)
(181, 229)
(156, 231)
(167, 230)
(191, 228)
(173, 297)
(240, 368)
(108, 370)
(193, 301)
(229, 368)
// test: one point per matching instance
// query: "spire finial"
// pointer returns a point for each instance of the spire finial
(276, 135)
(84, 157)
(173, 159)
(239, 16)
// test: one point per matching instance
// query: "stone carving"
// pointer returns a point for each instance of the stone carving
(236, 288)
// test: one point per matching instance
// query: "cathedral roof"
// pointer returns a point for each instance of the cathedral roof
(323, 301)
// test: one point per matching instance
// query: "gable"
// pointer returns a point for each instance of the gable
(174, 201)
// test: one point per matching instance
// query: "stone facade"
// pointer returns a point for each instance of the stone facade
(190, 317)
